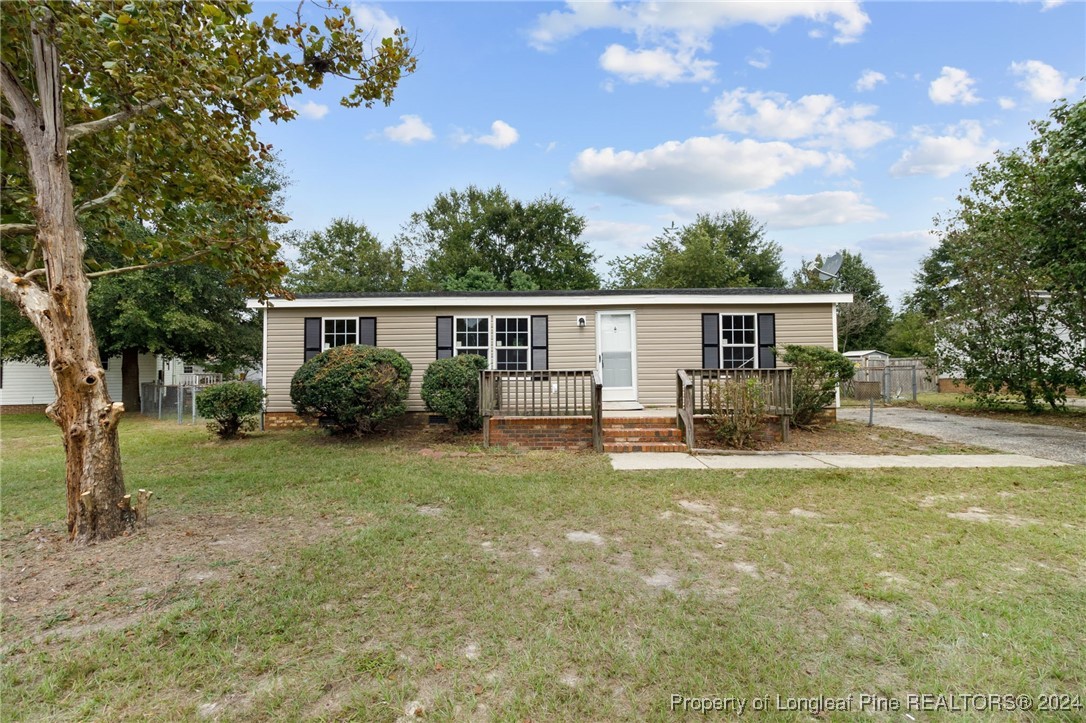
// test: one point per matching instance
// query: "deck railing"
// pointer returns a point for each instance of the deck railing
(694, 389)
(542, 393)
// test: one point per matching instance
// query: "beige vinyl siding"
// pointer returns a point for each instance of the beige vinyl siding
(412, 332)
(669, 338)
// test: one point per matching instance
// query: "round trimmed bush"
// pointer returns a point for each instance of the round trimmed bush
(352, 388)
(232, 405)
(450, 387)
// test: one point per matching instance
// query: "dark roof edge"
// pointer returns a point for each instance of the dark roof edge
(738, 291)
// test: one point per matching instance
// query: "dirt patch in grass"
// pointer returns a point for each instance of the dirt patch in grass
(853, 438)
(48, 582)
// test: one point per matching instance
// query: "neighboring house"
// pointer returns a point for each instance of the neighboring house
(636, 339)
(26, 387)
(868, 358)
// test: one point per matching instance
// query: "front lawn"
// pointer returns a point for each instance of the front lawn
(290, 576)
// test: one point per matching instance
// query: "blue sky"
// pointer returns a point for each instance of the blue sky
(837, 124)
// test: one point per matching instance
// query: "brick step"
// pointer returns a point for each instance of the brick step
(637, 422)
(644, 447)
(634, 434)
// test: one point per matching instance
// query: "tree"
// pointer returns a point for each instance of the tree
(1012, 315)
(863, 323)
(910, 334)
(346, 256)
(476, 279)
(715, 251)
(146, 112)
(491, 232)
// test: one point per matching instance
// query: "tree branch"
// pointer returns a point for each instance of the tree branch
(18, 228)
(7, 122)
(112, 121)
(21, 102)
(159, 264)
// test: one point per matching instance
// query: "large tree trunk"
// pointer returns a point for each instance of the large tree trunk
(130, 380)
(97, 506)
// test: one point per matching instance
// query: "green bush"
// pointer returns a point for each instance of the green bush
(737, 411)
(450, 387)
(816, 372)
(352, 388)
(232, 405)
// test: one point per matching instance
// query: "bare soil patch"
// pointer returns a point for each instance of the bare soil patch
(53, 588)
(853, 438)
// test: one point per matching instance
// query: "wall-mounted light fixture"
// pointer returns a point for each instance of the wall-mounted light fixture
(581, 321)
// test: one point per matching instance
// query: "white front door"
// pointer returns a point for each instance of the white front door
(616, 354)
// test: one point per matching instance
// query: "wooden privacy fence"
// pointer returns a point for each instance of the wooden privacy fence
(542, 393)
(694, 387)
(898, 378)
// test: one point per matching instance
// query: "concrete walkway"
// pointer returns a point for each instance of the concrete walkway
(1038, 440)
(650, 460)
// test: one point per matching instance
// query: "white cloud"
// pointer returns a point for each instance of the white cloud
(684, 172)
(502, 135)
(820, 119)
(1043, 82)
(656, 65)
(1049, 4)
(828, 208)
(960, 147)
(691, 24)
(411, 129)
(671, 34)
(1007, 103)
(869, 79)
(953, 86)
(759, 59)
(373, 19)
(623, 235)
(311, 110)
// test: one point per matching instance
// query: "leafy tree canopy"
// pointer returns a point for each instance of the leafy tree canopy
(491, 232)
(863, 323)
(1008, 280)
(346, 256)
(715, 251)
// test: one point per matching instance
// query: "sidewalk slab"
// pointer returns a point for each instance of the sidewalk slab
(654, 460)
(762, 461)
(958, 461)
(787, 460)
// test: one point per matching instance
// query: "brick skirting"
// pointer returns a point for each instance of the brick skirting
(287, 420)
(542, 432)
(22, 408)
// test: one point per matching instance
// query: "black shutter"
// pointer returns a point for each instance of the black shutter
(767, 339)
(312, 337)
(710, 341)
(444, 337)
(367, 330)
(539, 343)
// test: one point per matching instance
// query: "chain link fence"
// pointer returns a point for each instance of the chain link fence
(174, 401)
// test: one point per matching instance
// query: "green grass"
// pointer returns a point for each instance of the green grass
(327, 595)
(1073, 416)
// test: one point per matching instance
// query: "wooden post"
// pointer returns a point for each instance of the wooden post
(597, 412)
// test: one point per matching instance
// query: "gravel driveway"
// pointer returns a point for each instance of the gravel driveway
(1037, 440)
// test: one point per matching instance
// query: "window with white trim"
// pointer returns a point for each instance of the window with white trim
(472, 336)
(504, 341)
(511, 345)
(338, 332)
(738, 341)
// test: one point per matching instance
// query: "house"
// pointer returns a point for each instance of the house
(634, 341)
(28, 387)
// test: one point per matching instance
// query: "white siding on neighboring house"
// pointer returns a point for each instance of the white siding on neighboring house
(25, 383)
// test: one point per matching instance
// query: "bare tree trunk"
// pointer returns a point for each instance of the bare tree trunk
(98, 508)
(130, 379)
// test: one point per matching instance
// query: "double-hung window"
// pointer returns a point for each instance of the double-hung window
(338, 332)
(738, 341)
(511, 346)
(504, 341)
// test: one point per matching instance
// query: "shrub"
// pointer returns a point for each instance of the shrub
(450, 388)
(737, 411)
(816, 372)
(232, 405)
(352, 388)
